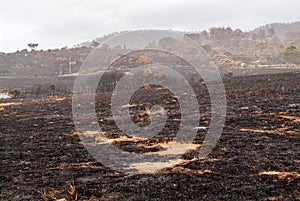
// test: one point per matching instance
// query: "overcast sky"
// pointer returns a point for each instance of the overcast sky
(58, 23)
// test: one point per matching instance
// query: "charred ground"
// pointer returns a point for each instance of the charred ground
(256, 158)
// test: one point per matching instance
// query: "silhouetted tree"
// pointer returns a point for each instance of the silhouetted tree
(33, 46)
(52, 88)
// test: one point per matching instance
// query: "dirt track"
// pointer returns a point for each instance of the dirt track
(257, 157)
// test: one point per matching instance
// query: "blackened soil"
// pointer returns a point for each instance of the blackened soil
(256, 158)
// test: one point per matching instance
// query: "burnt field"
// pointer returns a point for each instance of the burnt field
(257, 156)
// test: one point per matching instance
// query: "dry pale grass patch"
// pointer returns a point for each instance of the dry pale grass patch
(281, 175)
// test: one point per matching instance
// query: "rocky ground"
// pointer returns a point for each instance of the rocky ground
(256, 158)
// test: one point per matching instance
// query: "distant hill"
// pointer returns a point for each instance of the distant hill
(98, 40)
(271, 44)
(282, 30)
